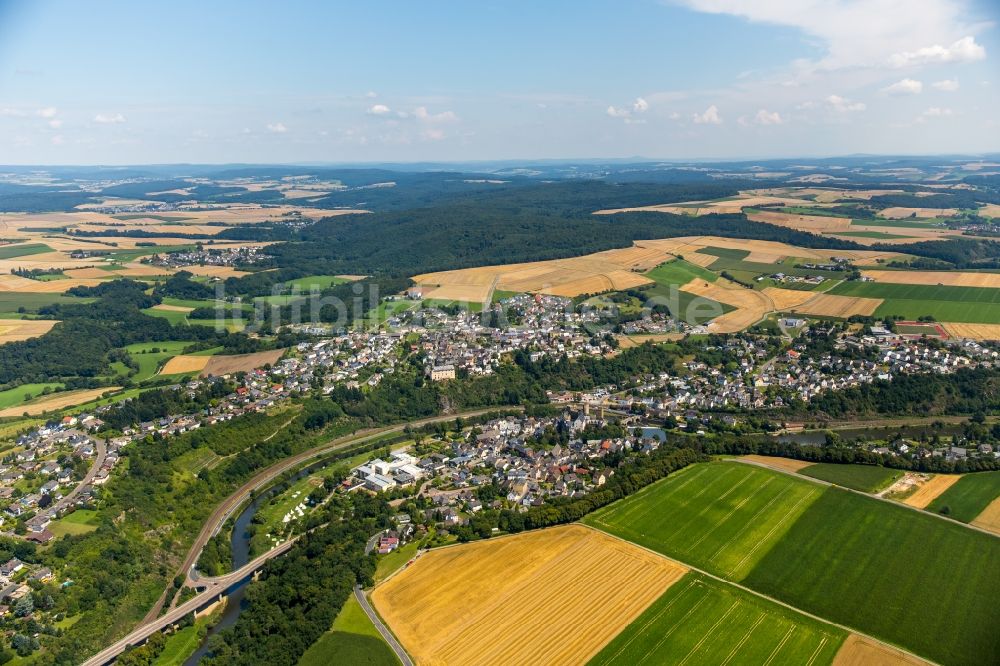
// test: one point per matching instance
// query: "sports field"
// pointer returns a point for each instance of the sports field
(551, 596)
(866, 478)
(721, 517)
(827, 551)
(703, 621)
(969, 497)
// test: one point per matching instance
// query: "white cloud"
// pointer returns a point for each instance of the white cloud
(47, 112)
(57, 140)
(277, 128)
(709, 117)
(866, 34)
(937, 112)
(765, 117)
(422, 114)
(844, 105)
(948, 85)
(371, 94)
(379, 110)
(432, 134)
(109, 118)
(963, 50)
(905, 87)
(617, 112)
(640, 105)
(55, 123)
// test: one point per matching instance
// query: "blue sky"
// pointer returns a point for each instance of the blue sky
(141, 82)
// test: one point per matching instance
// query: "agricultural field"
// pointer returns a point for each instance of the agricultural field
(679, 272)
(866, 478)
(721, 517)
(227, 365)
(944, 303)
(352, 639)
(15, 330)
(16, 396)
(966, 499)
(529, 588)
(56, 401)
(929, 490)
(817, 547)
(841, 561)
(22, 250)
(700, 620)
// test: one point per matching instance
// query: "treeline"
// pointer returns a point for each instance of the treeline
(950, 254)
(299, 595)
(157, 403)
(840, 455)
(966, 391)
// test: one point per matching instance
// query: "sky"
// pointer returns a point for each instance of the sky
(125, 82)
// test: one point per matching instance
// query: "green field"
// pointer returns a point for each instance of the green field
(11, 301)
(679, 272)
(352, 639)
(306, 284)
(391, 563)
(725, 252)
(844, 560)
(16, 396)
(866, 478)
(13, 251)
(861, 562)
(721, 517)
(702, 621)
(80, 521)
(897, 224)
(969, 496)
(977, 305)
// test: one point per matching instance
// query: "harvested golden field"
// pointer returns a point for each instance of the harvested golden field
(17, 283)
(553, 596)
(15, 330)
(812, 223)
(929, 491)
(57, 401)
(172, 308)
(751, 305)
(629, 341)
(703, 260)
(946, 278)
(93, 272)
(783, 299)
(863, 651)
(215, 271)
(899, 212)
(472, 293)
(972, 331)
(750, 198)
(828, 305)
(184, 363)
(783, 464)
(989, 519)
(227, 365)
(990, 210)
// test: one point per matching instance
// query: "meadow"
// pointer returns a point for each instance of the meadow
(700, 620)
(721, 517)
(861, 562)
(352, 639)
(866, 478)
(679, 273)
(968, 497)
(14, 251)
(16, 396)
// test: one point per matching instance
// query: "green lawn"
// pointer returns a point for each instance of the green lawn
(181, 644)
(927, 584)
(902, 576)
(352, 639)
(866, 478)
(80, 521)
(22, 250)
(969, 496)
(679, 273)
(701, 621)
(24, 392)
(389, 564)
(722, 517)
